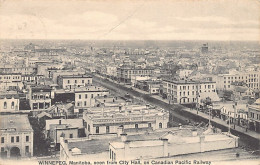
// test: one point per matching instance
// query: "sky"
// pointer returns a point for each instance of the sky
(130, 19)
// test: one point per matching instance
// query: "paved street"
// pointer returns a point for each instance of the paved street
(163, 103)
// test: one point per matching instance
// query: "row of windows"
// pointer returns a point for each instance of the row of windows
(241, 77)
(112, 155)
(5, 105)
(41, 96)
(17, 139)
(192, 92)
(252, 80)
(191, 87)
(9, 77)
(140, 72)
(82, 81)
(183, 100)
(79, 103)
(253, 115)
(86, 96)
(108, 128)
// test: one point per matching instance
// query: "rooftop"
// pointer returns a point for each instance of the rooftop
(188, 81)
(71, 122)
(15, 122)
(76, 76)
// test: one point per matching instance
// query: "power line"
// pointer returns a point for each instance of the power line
(123, 21)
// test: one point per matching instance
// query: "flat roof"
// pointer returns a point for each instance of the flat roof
(75, 76)
(19, 122)
(188, 81)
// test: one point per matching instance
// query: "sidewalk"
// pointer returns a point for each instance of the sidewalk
(222, 122)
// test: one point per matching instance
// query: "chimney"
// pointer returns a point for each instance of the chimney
(123, 137)
(202, 139)
(165, 147)
(120, 131)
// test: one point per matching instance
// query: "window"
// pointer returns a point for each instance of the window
(12, 105)
(88, 128)
(5, 105)
(97, 129)
(86, 96)
(82, 81)
(68, 81)
(85, 103)
(107, 129)
(149, 125)
(2, 149)
(75, 81)
(17, 138)
(71, 135)
(12, 139)
(27, 138)
(27, 149)
(79, 96)
(88, 81)
(92, 96)
(2, 140)
(136, 125)
(160, 125)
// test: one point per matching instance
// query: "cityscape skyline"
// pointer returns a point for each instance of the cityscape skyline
(234, 20)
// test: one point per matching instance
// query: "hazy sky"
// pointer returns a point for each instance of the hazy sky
(126, 20)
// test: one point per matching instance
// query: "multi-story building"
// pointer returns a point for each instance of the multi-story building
(39, 97)
(224, 81)
(85, 96)
(127, 73)
(254, 116)
(184, 73)
(10, 81)
(16, 69)
(9, 101)
(74, 81)
(16, 136)
(106, 120)
(189, 91)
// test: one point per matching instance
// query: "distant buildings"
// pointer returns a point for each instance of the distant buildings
(16, 136)
(252, 79)
(11, 81)
(126, 73)
(204, 48)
